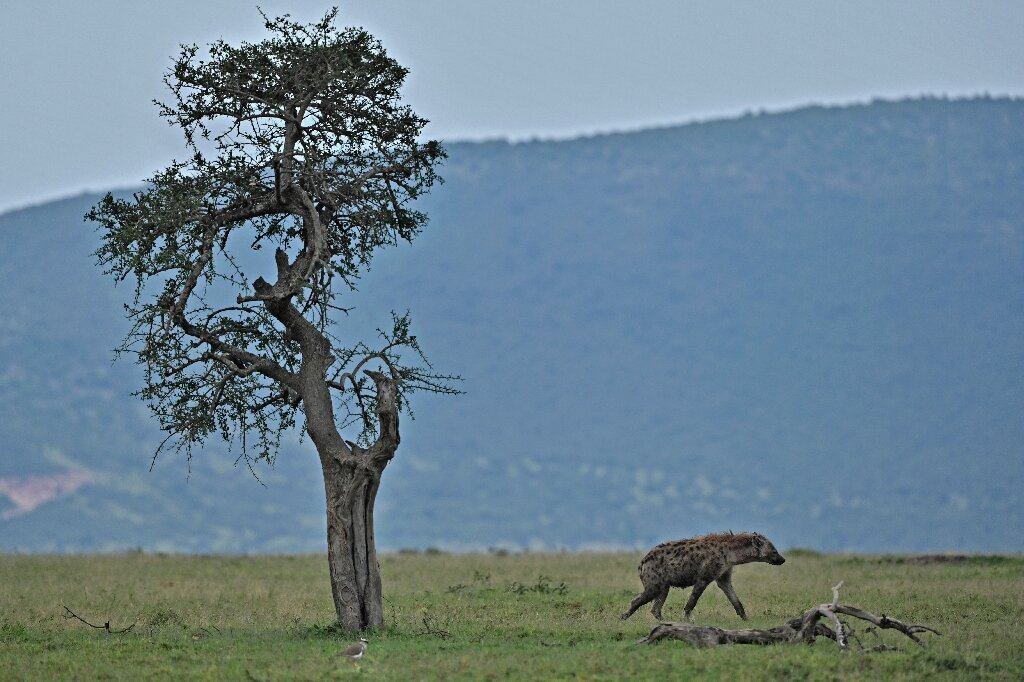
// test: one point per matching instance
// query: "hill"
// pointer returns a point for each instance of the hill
(805, 323)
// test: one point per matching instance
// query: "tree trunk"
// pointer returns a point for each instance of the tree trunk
(351, 553)
(351, 480)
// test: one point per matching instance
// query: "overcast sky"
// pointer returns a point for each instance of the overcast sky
(78, 77)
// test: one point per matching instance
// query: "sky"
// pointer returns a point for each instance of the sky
(78, 78)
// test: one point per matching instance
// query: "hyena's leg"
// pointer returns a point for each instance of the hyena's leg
(725, 582)
(659, 602)
(698, 589)
(650, 592)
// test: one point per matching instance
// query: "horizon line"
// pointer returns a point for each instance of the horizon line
(533, 138)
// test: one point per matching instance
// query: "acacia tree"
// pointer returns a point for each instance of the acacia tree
(300, 144)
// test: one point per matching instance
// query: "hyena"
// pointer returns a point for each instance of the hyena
(699, 562)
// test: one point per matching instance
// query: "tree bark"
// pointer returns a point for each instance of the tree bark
(351, 554)
(351, 481)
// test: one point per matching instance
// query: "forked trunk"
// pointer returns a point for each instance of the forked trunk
(351, 553)
(351, 480)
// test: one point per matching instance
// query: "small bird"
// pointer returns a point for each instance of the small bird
(356, 651)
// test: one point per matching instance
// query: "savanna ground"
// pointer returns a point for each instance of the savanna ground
(487, 616)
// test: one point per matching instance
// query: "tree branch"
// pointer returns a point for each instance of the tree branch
(388, 438)
(805, 628)
(105, 626)
(310, 149)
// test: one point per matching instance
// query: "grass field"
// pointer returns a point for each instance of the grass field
(486, 616)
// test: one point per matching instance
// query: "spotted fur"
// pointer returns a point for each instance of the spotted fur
(698, 562)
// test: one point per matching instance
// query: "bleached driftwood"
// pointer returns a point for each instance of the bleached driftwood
(805, 628)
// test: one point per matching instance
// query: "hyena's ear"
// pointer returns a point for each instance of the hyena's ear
(756, 542)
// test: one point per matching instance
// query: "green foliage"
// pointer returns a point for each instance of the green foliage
(13, 632)
(542, 586)
(298, 142)
(209, 617)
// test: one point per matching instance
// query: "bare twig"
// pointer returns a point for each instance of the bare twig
(430, 627)
(805, 628)
(105, 627)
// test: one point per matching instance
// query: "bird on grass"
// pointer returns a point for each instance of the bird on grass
(356, 651)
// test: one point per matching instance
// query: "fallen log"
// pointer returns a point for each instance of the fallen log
(805, 628)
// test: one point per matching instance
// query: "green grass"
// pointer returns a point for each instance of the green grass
(485, 616)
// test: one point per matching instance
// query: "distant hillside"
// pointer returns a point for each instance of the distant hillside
(809, 323)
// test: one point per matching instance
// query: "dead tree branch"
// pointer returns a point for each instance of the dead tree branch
(105, 627)
(805, 628)
(432, 628)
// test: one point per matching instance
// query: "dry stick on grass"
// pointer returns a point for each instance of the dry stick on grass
(805, 628)
(105, 626)
(430, 627)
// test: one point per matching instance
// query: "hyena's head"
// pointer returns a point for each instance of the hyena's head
(766, 550)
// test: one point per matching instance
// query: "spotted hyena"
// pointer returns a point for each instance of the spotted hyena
(699, 562)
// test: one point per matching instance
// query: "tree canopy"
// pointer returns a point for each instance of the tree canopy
(298, 144)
